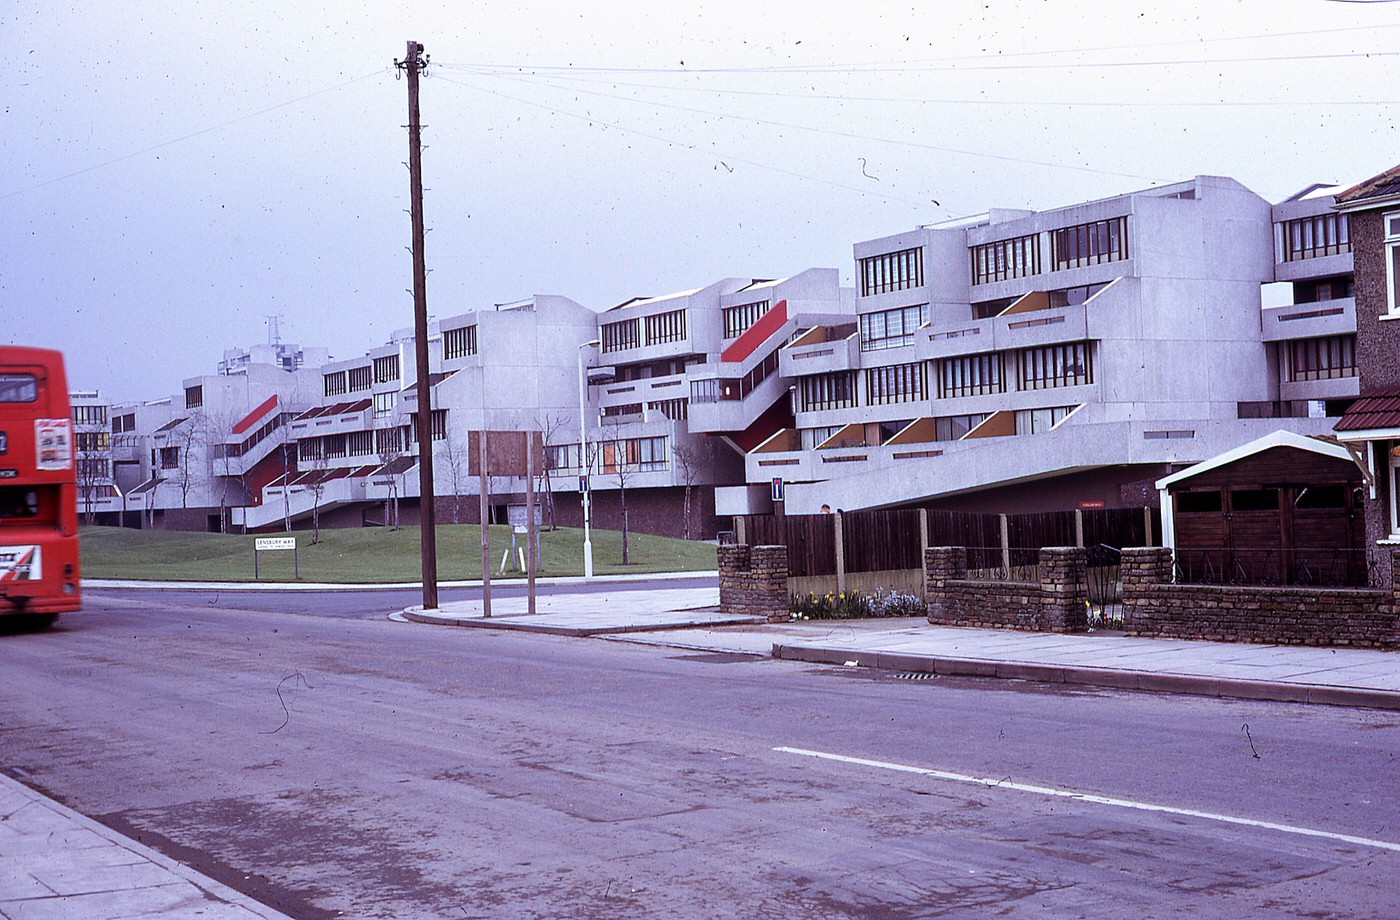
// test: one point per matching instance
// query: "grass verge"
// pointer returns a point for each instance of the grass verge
(370, 554)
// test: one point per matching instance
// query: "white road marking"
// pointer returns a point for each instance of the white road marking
(991, 783)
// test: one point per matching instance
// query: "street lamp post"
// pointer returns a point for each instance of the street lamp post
(583, 460)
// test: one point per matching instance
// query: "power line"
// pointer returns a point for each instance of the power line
(191, 135)
(726, 158)
(1091, 103)
(846, 134)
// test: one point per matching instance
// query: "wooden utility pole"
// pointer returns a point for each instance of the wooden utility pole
(412, 65)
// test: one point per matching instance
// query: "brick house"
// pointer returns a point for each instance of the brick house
(1371, 426)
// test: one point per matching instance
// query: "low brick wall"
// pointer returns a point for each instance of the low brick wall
(1154, 606)
(753, 581)
(1057, 603)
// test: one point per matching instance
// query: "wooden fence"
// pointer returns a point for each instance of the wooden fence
(889, 545)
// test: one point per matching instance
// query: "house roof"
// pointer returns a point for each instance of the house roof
(1279, 438)
(1378, 410)
(1378, 188)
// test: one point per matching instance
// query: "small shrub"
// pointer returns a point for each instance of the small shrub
(849, 605)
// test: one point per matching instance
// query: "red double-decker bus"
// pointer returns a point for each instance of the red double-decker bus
(38, 487)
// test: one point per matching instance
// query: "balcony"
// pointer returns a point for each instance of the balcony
(1310, 320)
(820, 350)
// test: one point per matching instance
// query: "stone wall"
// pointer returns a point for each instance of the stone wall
(1154, 606)
(753, 581)
(1058, 602)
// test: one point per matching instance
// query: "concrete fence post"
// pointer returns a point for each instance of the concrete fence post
(840, 542)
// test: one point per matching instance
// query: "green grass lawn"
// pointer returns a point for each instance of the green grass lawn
(369, 554)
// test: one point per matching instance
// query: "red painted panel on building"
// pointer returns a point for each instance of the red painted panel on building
(247, 421)
(756, 334)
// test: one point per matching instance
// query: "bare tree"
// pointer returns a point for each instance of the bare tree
(389, 446)
(550, 425)
(455, 462)
(688, 459)
(618, 461)
(318, 468)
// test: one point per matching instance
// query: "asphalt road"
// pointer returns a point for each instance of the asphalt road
(353, 766)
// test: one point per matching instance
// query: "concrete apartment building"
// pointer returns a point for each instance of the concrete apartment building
(1015, 361)
(1048, 360)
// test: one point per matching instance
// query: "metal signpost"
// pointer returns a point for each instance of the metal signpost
(275, 544)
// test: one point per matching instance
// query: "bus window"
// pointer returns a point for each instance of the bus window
(18, 502)
(18, 388)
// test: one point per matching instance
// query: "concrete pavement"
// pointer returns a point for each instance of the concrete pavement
(56, 864)
(688, 618)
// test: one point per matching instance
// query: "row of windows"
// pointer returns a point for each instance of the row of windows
(1322, 359)
(827, 391)
(635, 455)
(733, 388)
(674, 409)
(386, 368)
(126, 422)
(665, 327)
(741, 317)
(626, 455)
(966, 375)
(1092, 243)
(459, 342)
(90, 415)
(1006, 259)
(356, 378)
(88, 441)
(892, 271)
(1320, 235)
(896, 383)
(437, 419)
(891, 328)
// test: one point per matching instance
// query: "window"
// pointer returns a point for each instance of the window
(169, 458)
(619, 411)
(1006, 259)
(90, 415)
(1067, 297)
(970, 375)
(665, 327)
(437, 421)
(1035, 421)
(459, 342)
(635, 455)
(386, 368)
(194, 397)
(895, 383)
(334, 383)
(674, 409)
(811, 437)
(1202, 502)
(892, 271)
(1322, 359)
(1310, 237)
(826, 391)
(953, 427)
(92, 469)
(359, 443)
(1054, 366)
(1394, 453)
(92, 440)
(741, 317)
(18, 388)
(384, 403)
(388, 441)
(619, 336)
(1392, 263)
(891, 328)
(359, 378)
(1089, 244)
(126, 422)
(562, 458)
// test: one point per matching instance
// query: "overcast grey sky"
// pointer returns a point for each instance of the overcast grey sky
(170, 174)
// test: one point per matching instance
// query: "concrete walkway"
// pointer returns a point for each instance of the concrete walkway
(688, 618)
(56, 864)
